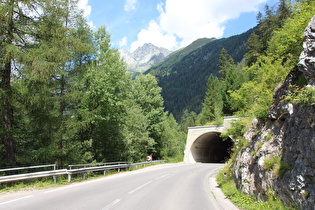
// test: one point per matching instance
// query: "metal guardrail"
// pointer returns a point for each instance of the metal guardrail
(18, 177)
(28, 167)
(118, 166)
(96, 164)
(69, 172)
(33, 175)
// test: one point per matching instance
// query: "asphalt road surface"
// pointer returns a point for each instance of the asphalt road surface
(161, 187)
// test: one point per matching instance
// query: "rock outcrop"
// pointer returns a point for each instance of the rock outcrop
(143, 57)
(307, 58)
(280, 159)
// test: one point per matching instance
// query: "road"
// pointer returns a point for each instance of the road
(161, 187)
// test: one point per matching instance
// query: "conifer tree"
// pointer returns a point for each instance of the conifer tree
(212, 106)
(38, 42)
(18, 23)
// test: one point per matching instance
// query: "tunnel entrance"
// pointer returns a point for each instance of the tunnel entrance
(210, 148)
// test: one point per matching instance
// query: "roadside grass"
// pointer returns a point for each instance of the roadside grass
(32, 184)
(61, 180)
(245, 201)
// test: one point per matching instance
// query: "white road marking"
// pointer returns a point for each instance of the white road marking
(111, 204)
(138, 188)
(162, 176)
(16, 200)
(59, 188)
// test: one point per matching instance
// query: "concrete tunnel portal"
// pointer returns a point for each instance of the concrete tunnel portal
(204, 144)
(211, 148)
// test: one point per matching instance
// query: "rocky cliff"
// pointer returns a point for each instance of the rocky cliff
(280, 159)
(143, 57)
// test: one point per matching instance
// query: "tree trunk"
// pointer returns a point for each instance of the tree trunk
(7, 109)
(7, 116)
(61, 118)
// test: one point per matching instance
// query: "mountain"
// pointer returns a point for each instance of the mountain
(143, 57)
(183, 74)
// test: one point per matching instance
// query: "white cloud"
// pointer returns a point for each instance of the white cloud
(159, 7)
(154, 35)
(130, 5)
(183, 21)
(86, 8)
(84, 5)
(122, 42)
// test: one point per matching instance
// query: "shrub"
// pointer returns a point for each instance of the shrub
(271, 163)
(304, 96)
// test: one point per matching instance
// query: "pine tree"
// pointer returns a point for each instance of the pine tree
(40, 44)
(212, 107)
(17, 35)
(188, 119)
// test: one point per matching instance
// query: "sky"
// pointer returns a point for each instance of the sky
(171, 24)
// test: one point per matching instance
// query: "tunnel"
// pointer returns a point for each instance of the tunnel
(211, 148)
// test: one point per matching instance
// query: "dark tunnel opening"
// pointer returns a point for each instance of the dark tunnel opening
(211, 148)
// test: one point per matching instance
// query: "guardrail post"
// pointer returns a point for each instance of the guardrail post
(69, 177)
(54, 177)
(118, 168)
(105, 170)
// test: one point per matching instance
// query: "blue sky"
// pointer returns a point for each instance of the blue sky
(171, 23)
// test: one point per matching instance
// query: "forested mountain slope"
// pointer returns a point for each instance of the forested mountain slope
(183, 74)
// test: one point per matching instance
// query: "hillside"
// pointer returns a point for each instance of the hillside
(183, 74)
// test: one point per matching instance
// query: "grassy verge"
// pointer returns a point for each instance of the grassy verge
(245, 201)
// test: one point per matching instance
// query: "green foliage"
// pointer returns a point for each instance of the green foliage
(259, 145)
(255, 97)
(69, 99)
(218, 102)
(269, 136)
(287, 41)
(272, 20)
(188, 119)
(138, 143)
(277, 60)
(173, 140)
(147, 94)
(284, 167)
(304, 96)
(213, 103)
(276, 165)
(238, 128)
(271, 163)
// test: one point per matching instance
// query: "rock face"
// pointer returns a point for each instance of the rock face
(280, 159)
(143, 57)
(307, 58)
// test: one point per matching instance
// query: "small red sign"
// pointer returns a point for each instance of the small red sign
(149, 158)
